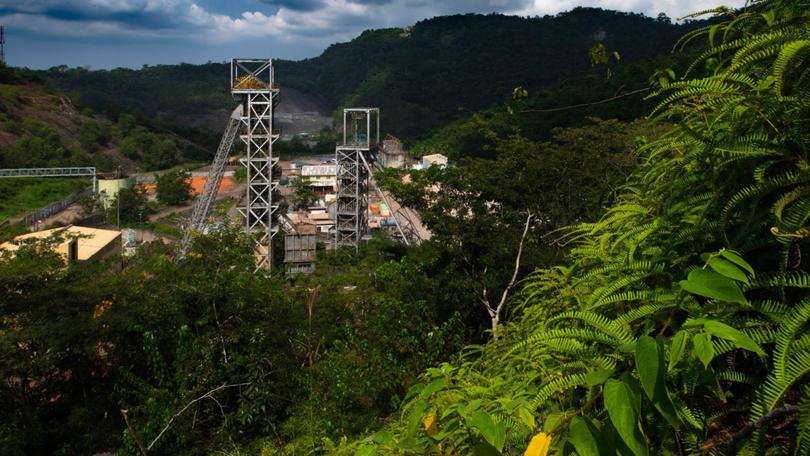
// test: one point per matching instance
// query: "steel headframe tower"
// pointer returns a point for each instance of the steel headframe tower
(252, 83)
(361, 141)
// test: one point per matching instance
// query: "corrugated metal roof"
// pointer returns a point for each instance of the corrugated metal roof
(319, 170)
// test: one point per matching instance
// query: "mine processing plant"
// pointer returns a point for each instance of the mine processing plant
(361, 142)
(253, 85)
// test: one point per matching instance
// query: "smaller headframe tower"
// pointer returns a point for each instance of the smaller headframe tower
(253, 85)
(2, 45)
(361, 142)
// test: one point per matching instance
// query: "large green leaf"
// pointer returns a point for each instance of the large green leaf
(724, 331)
(485, 449)
(650, 365)
(622, 407)
(494, 433)
(735, 258)
(703, 348)
(727, 269)
(712, 285)
(415, 417)
(585, 438)
(677, 348)
(365, 450)
(597, 377)
(434, 386)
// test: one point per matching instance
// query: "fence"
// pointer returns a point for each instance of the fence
(55, 208)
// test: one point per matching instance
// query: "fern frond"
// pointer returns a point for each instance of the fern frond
(578, 334)
(780, 66)
(737, 377)
(556, 387)
(601, 323)
(641, 312)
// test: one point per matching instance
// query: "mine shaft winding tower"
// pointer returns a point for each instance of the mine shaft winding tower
(360, 145)
(252, 84)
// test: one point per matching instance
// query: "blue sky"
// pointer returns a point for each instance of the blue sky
(131, 33)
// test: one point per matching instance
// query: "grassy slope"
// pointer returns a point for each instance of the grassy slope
(18, 196)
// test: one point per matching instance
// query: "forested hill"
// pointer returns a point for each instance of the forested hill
(39, 126)
(422, 77)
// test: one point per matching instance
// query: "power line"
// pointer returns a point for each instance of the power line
(583, 105)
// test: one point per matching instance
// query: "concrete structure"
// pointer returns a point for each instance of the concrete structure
(76, 243)
(434, 159)
(108, 189)
(392, 154)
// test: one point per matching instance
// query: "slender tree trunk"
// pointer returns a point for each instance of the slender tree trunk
(495, 312)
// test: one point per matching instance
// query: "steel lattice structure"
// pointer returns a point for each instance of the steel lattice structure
(75, 171)
(252, 83)
(361, 141)
(206, 199)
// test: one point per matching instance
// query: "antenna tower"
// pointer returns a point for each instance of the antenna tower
(252, 84)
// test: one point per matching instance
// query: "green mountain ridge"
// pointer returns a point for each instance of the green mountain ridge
(439, 71)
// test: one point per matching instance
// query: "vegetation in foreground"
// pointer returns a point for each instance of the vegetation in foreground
(673, 319)
(679, 324)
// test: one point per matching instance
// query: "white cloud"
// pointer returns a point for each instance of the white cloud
(271, 26)
(673, 8)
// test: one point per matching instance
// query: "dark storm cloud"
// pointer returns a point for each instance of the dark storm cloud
(298, 5)
(115, 15)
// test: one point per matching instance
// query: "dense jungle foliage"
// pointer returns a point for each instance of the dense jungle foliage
(325, 356)
(679, 323)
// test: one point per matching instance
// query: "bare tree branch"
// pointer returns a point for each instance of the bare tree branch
(132, 431)
(207, 395)
(221, 337)
(495, 313)
(751, 426)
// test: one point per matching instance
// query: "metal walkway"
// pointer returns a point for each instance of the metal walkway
(75, 171)
(206, 199)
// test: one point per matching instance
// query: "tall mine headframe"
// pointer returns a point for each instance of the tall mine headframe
(253, 85)
(361, 142)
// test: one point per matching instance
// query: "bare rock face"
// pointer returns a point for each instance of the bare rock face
(300, 112)
(297, 113)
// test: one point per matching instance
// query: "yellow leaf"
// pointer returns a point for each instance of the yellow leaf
(430, 424)
(539, 445)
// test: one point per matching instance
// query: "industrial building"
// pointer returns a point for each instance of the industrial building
(108, 189)
(299, 249)
(76, 243)
(392, 154)
(434, 160)
(323, 178)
